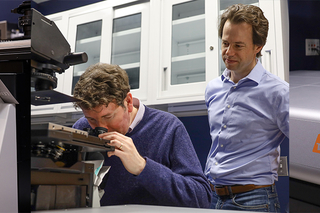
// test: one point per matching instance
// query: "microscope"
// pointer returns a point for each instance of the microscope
(53, 166)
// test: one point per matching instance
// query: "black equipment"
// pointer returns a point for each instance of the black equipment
(28, 67)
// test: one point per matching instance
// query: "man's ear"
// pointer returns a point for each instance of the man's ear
(129, 100)
(258, 48)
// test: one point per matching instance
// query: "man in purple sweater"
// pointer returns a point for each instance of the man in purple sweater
(154, 161)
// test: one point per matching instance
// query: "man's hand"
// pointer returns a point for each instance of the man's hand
(126, 151)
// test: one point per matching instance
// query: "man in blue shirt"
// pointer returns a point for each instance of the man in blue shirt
(248, 110)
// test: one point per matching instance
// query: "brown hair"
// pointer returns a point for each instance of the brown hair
(101, 84)
(250, 14)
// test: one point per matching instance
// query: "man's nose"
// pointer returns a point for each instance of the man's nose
(229, 50)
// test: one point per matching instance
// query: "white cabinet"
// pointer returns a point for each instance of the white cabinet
(85, 34)
(191, 49)
(107, 32)
(189, 56)
(113, 36)
(169, 48)
(276, 51)
(130, 40)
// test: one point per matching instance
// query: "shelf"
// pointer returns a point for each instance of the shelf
(188, 70)
(127, 32)
(188, 36)
(130, 66)
(126, 41)
(188, 57)
(126, 58)
(191, 67)
(189, 19)
(91, 46)
(89, 40)
(188, 29)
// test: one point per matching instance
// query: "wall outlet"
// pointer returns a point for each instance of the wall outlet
(311, 45)
(283, 166)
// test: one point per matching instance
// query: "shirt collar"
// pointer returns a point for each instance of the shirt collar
(141, 108)
(255, 74)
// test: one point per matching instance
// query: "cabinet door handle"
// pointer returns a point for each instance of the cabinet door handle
(164, 78)
(268, 61)
(211, 48)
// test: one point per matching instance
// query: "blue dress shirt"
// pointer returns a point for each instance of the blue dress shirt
(248, 121)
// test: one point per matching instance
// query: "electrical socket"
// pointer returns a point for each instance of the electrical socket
(312, 43)
(283, 166)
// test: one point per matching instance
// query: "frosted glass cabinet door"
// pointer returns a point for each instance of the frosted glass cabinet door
(275, 54)
(186, 55)
(88, 39)
(129, 29)
(126, 42)
(188, 42)
(86, 33)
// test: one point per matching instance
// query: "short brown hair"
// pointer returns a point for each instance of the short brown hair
(101, 84)
(250, 14)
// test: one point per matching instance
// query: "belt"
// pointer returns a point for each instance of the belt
(235, 189)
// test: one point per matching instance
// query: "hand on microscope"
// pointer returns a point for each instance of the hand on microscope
(126, 151)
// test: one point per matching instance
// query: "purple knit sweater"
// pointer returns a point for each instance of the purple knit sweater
(173, 175)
